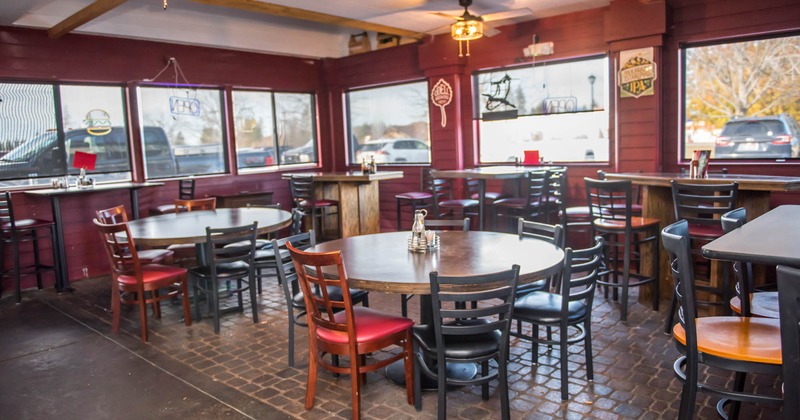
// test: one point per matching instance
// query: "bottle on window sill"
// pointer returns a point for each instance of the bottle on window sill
(373, 167)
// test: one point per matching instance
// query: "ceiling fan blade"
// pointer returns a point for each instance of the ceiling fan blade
(445, 15)
(489, 30)
(508, 14)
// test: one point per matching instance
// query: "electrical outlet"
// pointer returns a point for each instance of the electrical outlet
(85, 272)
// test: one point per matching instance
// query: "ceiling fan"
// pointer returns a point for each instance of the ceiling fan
(469, 27)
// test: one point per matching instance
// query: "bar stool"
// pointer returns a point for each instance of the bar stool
(302, 190)
(612, 218)
(702, 205)
(528, 207)
(16, 231)
(577, 219)
(417, 200)
(444, 205)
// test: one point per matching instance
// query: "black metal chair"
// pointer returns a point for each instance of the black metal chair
(442, 224)
(543, 231)
(527, 207)
(287, 277)
(702, 205)
(733, 343)
(554, 200)
(223, 265)
(758, 303)
(789, 286)
(610, 204)
(467, 335)
(302, 190)
(444, 203)
(569, 306)
(14, 232)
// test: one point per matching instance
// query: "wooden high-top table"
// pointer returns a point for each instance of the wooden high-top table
(773, 239)
(357, 194)
(656, 190)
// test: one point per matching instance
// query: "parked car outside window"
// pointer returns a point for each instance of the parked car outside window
(759, 137)
(394, 151)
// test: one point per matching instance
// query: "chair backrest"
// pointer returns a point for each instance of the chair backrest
(557, 184)
(703, 204)
(324, 271)
(230, 247)
(301, 188)
(297, 221)
(742, 271)
(120, 249)
(536, 187)
(287, 275)
(186, 189)
(448, 224)
(733, 219)
(789, 305)
(675, 238)
(537, 230)
(579, 275)
(494, 293)
(112, 215)
(609, 199)
(196, 204)
(441, 189)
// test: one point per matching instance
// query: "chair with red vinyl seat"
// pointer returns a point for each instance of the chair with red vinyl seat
(337, 328)
(15, 231)
(446, 206)
(135, 283)
(146, 256)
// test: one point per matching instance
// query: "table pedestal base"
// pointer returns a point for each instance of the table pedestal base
(462, 371)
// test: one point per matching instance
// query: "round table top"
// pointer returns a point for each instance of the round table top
(382, 262)
(190, 227)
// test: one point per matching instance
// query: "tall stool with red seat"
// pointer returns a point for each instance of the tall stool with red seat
(422, 199)
(302, 190)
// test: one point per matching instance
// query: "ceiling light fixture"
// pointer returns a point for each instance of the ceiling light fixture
(468, 28)
(165, 4)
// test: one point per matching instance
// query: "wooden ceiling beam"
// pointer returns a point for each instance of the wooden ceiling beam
(308, 15)
(82, 16)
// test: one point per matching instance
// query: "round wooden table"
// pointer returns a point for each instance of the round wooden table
(382, 263)
(190, 227)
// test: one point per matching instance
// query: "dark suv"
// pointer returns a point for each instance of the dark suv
(759, 137)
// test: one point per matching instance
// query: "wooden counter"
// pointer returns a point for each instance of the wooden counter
(358, 196)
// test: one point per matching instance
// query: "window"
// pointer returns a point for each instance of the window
(389, 124)
(182, 131)
(265, 138)
(740, 99)
(295, 122)
(255, 129)
(93, 120)
(559, 109)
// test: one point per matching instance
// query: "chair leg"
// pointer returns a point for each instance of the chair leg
(689, 392)
(213, 296)
(292, 322)
(502, 366)
(625, 280)
(37, 263)
(143, 314)
(587, 348)
(535, 344)
(115, 308)
(564, 361)
(738, 385)
(409, 367)
(253, 298)
(441, 388)
(485, 385)
(17, 284)
(187, 310)
(398, 213)
(313, 367)
(417, 378)
(355, 380)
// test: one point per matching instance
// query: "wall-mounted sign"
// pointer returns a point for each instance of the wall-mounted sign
(441, 95)
(637, 73)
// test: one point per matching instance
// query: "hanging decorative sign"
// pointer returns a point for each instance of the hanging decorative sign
(637, 73)
(441, 95)
(184, 106)
(97, 122)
